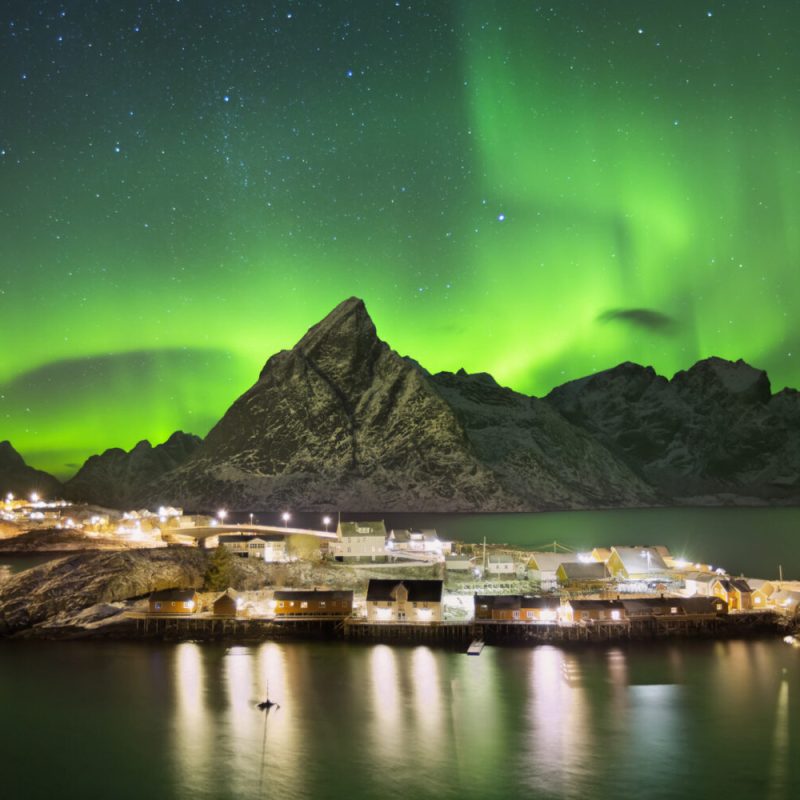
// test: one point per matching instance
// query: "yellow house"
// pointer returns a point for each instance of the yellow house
(637, 564)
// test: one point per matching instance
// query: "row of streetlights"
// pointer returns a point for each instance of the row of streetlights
(286, 516)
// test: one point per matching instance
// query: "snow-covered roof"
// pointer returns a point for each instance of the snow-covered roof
(549, 562)
(640, 560)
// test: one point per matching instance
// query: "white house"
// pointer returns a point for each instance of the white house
(500, 564)
(360, 541)
(267, 547)
(419, 541)
(542, 566)
(459, 562)
(700, 584)
(404, 601)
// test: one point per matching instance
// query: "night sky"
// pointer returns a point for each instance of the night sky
(536, 191)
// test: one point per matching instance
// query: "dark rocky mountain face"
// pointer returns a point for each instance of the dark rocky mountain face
(20, 479)
(342, 421)
(713, 429)
(118, 478)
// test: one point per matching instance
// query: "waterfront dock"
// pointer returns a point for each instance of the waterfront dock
(448, 633)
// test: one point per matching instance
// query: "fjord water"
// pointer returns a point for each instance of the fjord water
(179, 722)
(751, 541)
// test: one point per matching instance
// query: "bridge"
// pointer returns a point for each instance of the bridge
(206, 532)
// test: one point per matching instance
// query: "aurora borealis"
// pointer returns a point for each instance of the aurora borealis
(535, 191)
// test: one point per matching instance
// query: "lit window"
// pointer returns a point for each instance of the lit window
(673, 610)
(615, 614)
(757, 600)
(304, 604)
(322, 603)
(158, 606)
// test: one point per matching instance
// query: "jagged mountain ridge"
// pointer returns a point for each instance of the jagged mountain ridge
(713, 429)
(119, 479)
(20, 479)
(343, 421)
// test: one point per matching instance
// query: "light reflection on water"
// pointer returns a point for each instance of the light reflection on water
(376, 721)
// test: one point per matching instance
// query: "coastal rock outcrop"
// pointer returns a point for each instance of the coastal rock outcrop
(117, 478)
(71, 584)
(342, 421)
(20, 479)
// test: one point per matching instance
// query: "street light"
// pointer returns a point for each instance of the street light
(251, 519)
(34, 497)
(326, 521)
(286, 516)
(222, 513)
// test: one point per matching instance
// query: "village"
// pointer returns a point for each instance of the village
(430, 582)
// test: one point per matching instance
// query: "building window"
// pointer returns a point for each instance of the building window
(280, 603)
(615, 614)
(673, 610)
(757, 600)
(322, 603)
(158, 606)
(304, 604)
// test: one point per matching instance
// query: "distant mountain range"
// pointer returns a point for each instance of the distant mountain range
(341, 421)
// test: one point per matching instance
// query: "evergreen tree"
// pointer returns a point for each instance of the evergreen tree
(219, 570)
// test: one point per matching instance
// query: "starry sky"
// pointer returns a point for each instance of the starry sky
(534, 190)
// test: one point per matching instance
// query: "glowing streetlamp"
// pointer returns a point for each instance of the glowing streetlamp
(326, 521)
(34, 497)
(286, 516)
(251, 518)
(222, 513)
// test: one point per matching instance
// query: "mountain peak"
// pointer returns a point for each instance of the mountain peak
(349, 319)
(732, 378)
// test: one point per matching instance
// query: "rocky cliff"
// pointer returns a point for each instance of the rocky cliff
(118, 478)
(715, 429)
(343, 421)
(20, 479)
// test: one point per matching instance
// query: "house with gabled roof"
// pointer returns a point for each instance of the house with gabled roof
(542, 566)
(700, 584)
(500, 564)
(360, 541)
(516, 608)
(636, 564)
(703, 607)
(735, 592)
(390, 600)
(582, 576)
(762, 592)
(228, 604)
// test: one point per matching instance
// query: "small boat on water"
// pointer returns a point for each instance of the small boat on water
(267, 704)
(792, 640)
(475, 648)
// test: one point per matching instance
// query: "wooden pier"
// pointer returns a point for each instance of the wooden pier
(445, 634)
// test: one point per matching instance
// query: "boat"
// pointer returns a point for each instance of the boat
(267, 705)
(475, 648)
(792, 640)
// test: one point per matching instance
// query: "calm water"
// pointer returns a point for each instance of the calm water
(753, 541)
(134, 720)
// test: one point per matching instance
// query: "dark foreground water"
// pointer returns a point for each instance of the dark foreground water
(134, 720)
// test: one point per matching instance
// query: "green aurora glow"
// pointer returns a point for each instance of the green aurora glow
(530, 192)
